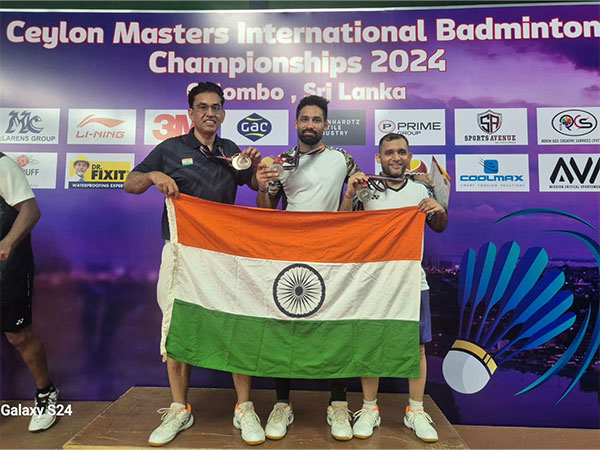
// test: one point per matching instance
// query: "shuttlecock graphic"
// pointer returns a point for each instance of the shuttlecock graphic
(507, 305)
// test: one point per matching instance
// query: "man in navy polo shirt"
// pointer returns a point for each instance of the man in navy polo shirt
(195, 164)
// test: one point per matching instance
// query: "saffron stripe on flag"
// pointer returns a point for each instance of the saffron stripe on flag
(362, 236)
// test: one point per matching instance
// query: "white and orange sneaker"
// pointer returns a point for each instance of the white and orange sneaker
(176, 418)
(246, 419)
(421, 423)
(365, 420)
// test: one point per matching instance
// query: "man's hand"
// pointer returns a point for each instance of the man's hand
(355, 181)
(424, 178)
(264, 175)
(165, 184)
(4, 250)
(254, 155)
(431, 206)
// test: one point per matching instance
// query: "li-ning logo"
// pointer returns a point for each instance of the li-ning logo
(254, 127)
(563, 172)
(104, 121)
(23, 122)
(574, 122)
(489, 121)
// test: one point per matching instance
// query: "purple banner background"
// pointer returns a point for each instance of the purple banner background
(98, 251)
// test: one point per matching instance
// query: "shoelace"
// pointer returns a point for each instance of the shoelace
(421, 413)
(278, 414)
(42, 401)
(249, 418)
(365, 413)
(168, 414)
(341, 414)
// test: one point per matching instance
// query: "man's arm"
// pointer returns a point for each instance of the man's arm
(254, 155)
(354, 182)
(27, 217)
(139, 182)
(264, 175)
(440, 216)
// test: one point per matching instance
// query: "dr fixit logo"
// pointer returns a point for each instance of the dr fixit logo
(29, 126)
(254, 127)
(574, 122)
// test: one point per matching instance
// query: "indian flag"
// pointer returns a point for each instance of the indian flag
(294, 294)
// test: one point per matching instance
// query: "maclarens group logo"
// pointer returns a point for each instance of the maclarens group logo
(29, 125)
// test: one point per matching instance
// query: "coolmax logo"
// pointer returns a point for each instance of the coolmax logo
(24, 122)
(489, 165)
(574, 122)
(254, 127)
(489, 121)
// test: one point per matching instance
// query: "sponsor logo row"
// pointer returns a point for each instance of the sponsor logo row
(472, 126)
(475, 173)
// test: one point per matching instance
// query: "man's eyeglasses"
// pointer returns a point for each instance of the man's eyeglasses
(203, 108)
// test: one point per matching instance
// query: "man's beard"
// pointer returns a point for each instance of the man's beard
(310, 139)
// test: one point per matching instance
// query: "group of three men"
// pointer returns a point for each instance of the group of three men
(196, 164)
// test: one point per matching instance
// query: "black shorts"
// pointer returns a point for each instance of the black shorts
(15, 303)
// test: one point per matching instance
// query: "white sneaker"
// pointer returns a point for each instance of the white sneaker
(420, 422)
(245, 419)
(45, 411)
(365, 420)
(176, 418)
(338, 417)
(280, 418)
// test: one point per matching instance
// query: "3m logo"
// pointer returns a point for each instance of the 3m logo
(24, 122)
(563, 172)
(162, 124)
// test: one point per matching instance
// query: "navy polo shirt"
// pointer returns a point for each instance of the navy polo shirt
(196, 172)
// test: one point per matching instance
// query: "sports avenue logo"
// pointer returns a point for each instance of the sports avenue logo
(254, 127)
(574, 122)
(489, 121)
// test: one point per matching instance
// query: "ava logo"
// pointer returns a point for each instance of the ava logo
(564, 172)
(489, 122)
(23, 122)
(299, 290)
(509, 304)
(489, 165)
(254, 127)
(574, 122)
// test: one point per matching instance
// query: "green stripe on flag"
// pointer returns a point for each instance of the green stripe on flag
(293, 348)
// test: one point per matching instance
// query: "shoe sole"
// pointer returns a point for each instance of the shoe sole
(275, 438)
(341, 438)
(414, 431)
(254, 442)
(185, 427)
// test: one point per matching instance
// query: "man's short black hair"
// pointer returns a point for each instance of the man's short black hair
(315, 100)
(207, 86)
(392, 137)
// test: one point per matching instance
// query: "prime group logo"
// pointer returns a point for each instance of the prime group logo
(577, 125)
(488, 173)
(420, 126)
(102, 126)
(29, 125)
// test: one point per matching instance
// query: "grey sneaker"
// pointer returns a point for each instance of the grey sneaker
(421, 423)
(280, 418)
(365, 420)
(176, 418)
(338, 417)
(45, 411)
